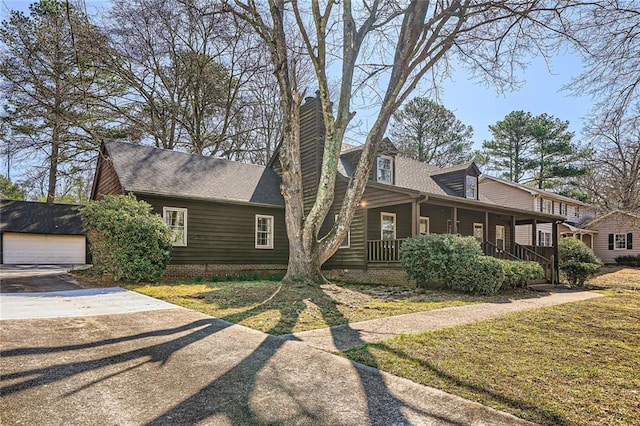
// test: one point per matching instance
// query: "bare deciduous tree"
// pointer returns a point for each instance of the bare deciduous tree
(400, 44)
(614, 181)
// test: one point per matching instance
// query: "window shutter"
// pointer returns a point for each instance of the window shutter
(553, 207)
(630, 241)
(610, 241)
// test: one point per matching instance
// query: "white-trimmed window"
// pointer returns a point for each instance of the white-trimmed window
(346, 243)
(478, 231)
(500, 237)
(619, 241)
(387, 226)
(384, 169)
(176, 220)
(264, 231)
(544, 239)
(546, 206)
(577, 211)
(563, 209)
(424, 224)
(471, 187)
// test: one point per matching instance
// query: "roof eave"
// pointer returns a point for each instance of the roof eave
(210, 199)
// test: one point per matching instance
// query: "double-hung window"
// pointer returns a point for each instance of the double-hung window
(563, 209)
(387, 226)
(546, 206)
(424, 224)
(500, 237)
(544, 239)
(471, 184)
(264, 231)
(176, 220)
(619, 241)
(478, 231)
(384, 169)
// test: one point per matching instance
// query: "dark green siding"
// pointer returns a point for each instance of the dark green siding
(220, 233)
(438, 217)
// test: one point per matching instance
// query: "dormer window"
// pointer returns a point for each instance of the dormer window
(384, 169)
(471, 187)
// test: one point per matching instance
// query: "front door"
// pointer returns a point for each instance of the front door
(500, 237)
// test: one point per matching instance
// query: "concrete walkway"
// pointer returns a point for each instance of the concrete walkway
(346, 336)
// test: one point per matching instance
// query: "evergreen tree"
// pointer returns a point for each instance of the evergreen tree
(429, 132)
(555, 157)
(53, 87)
(510, 149)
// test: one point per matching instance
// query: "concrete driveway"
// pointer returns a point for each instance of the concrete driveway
(38, 278)
(171, 366)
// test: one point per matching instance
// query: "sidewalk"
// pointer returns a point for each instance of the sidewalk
(347, 336)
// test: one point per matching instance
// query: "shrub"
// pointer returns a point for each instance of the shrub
(628, 260)
(438, 259)
(198, 279)
(577, 261)
(214, 279)
(519, 273)
(127, 240)
(484, 276)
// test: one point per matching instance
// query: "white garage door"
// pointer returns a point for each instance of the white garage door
(42, 249)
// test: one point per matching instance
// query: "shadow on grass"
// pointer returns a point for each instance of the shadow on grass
(534, 411)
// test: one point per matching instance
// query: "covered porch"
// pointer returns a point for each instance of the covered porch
(387, 226)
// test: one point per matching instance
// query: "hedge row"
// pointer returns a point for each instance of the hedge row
(457, 262)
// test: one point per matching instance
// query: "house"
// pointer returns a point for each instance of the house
(229, 216)
(616, 232)
(39, 233)
(574, 212)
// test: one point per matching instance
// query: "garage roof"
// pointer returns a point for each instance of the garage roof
(40, 218)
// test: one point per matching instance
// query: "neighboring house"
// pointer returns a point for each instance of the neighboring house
(39, 233)
(573, 212)
(229, 216)
(618, 235)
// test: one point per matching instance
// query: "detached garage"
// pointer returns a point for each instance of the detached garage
(38, 233)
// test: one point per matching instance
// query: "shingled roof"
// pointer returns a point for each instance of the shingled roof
(149, 170)
(40, 218)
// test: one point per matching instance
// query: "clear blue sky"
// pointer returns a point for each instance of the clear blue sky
(479, 106)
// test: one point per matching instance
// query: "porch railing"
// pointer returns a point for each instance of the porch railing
(493, 250)
(384, 250)
(533, 253)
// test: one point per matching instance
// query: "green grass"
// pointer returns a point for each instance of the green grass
(574, 364)
(272, 308)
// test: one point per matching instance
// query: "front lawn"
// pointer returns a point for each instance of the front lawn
(574, 364)
(616, 277)
(269, 307)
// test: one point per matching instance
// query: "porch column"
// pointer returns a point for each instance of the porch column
(554, 236)
(454, 228)
(534, 233)
(486, 226)
(414, 217)
(366, 238)
(513, 234)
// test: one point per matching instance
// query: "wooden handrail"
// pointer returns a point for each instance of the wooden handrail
(493, 250)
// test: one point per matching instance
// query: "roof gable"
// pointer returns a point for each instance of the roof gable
(597, 220)
(149, 170)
